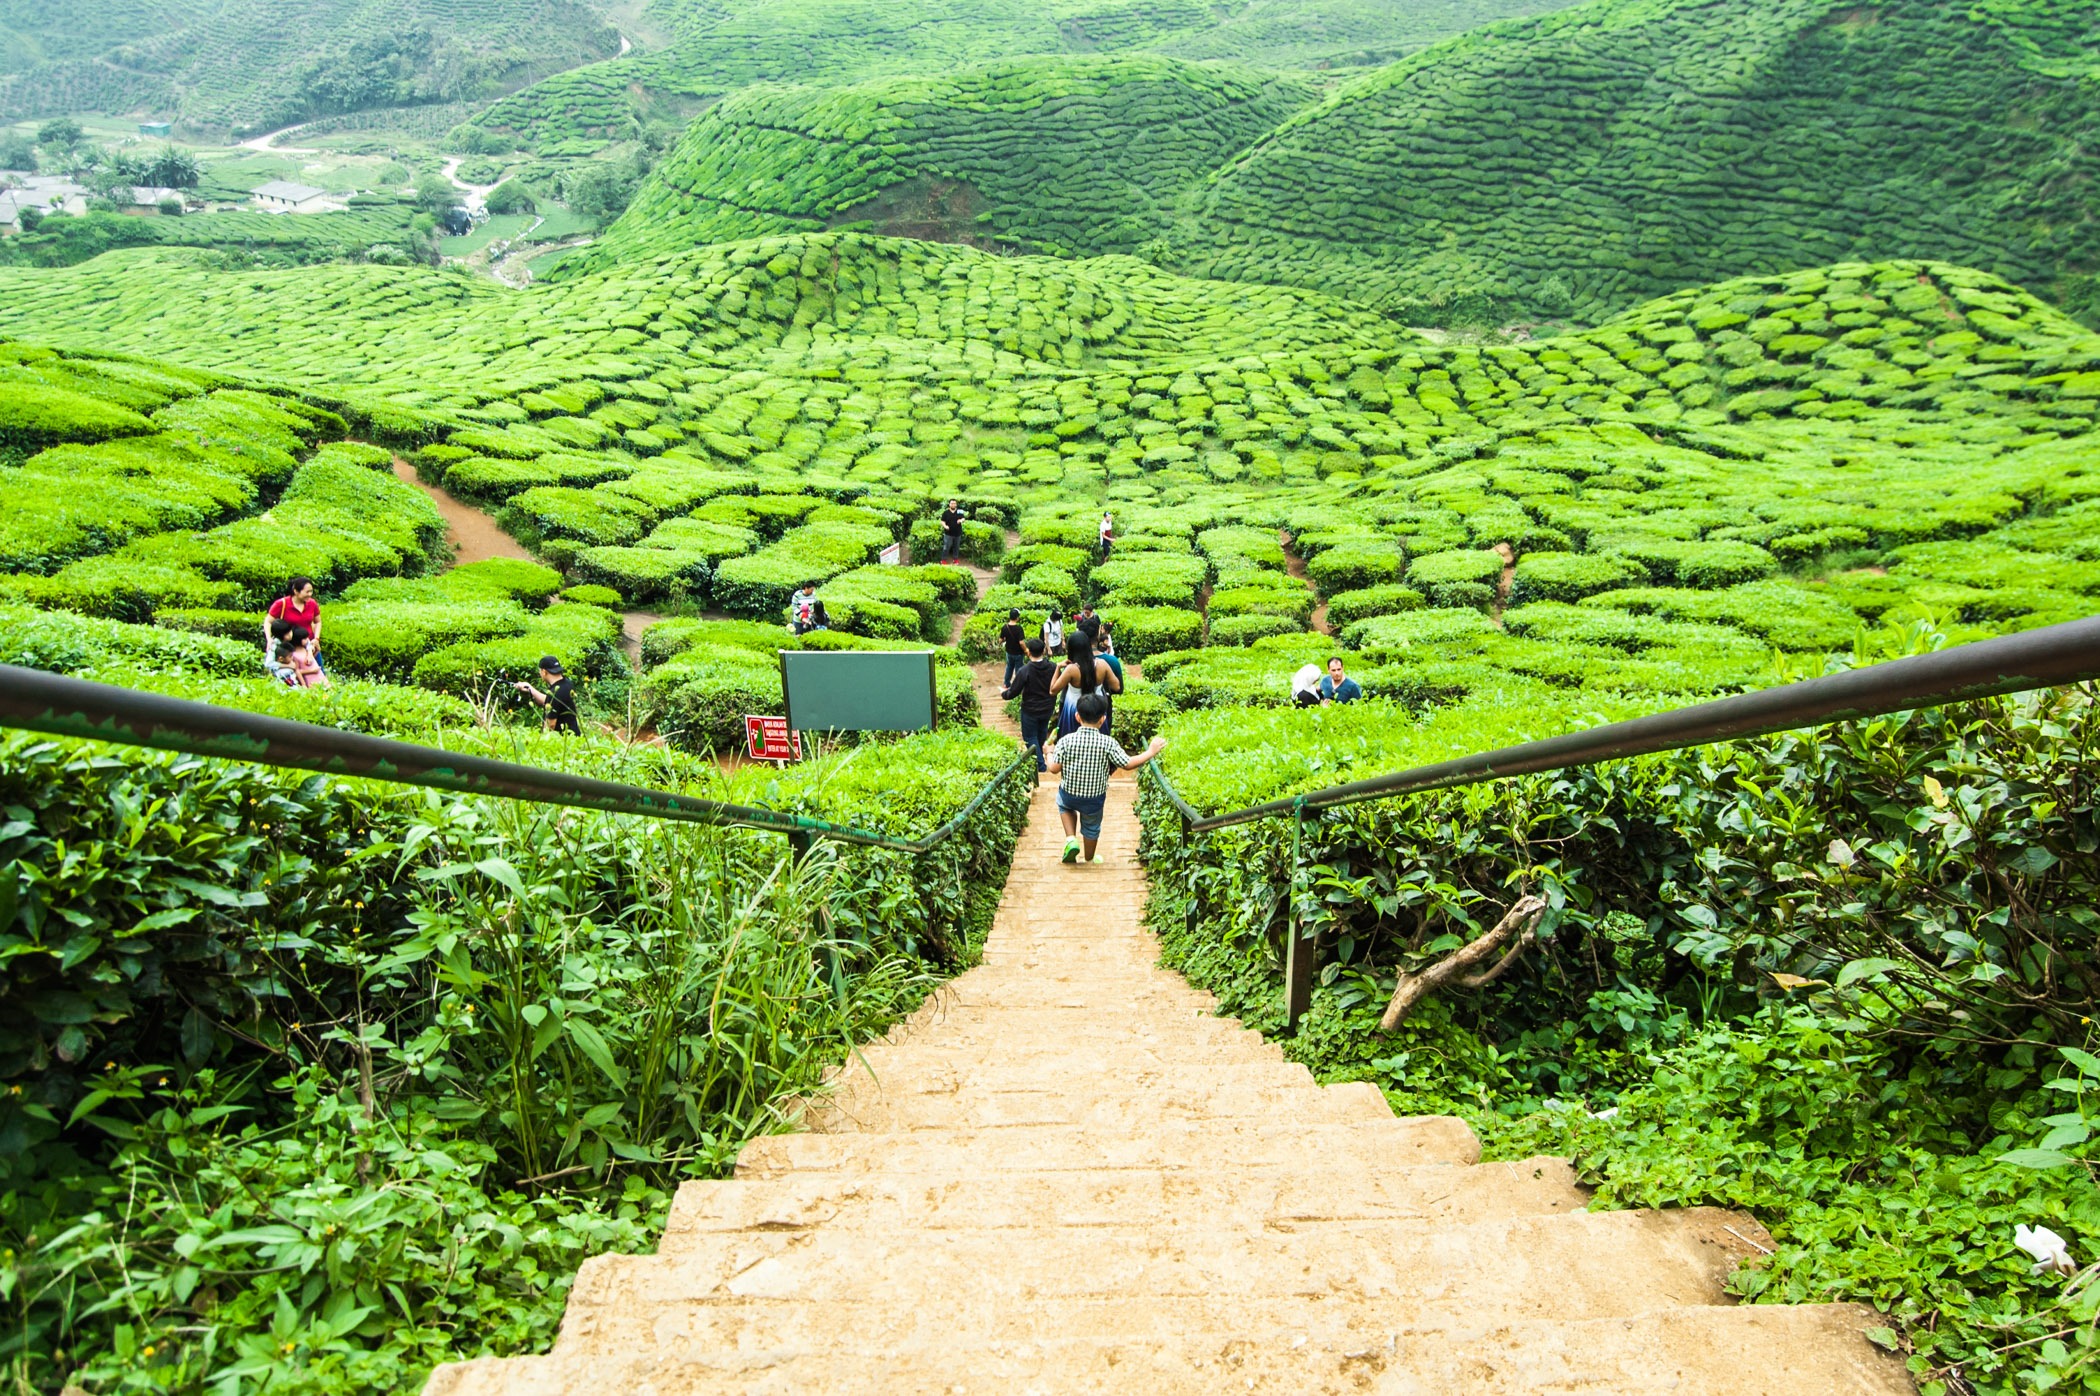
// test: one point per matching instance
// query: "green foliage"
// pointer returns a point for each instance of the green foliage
(233, 66)
(1073, 154)
(1349, 607)
(364, 979)
(1358, 194)
(1569, 576)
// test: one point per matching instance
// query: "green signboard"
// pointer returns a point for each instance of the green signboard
(858, 690)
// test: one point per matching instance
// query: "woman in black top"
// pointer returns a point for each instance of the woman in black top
(1013, 636)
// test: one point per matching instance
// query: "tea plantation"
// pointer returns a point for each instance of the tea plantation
(720, 48)
(1574, 164)
(249, 67)
(308, 1084)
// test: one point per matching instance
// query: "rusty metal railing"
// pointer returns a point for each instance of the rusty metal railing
(36, 701)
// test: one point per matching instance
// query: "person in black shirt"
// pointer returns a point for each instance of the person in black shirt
(1012, 634)
(559, 700)
(951, 532)
(1087, 623)
(1038, 708)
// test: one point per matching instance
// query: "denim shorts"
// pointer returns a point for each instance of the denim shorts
(1087, 807)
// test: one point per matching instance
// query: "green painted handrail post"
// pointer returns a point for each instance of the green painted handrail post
(1195, 908)
(1298, 955)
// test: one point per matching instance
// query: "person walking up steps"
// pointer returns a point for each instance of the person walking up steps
(1038, 704)
(1054, 632)
(951, 532)
(1083, 762)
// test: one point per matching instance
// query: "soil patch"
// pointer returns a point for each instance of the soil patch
(1507, 580)
(1295, 565)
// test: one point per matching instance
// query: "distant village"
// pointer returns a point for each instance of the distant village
(40, 195)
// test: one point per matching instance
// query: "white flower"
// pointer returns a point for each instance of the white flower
(1610, 1114)
(2046, 1247)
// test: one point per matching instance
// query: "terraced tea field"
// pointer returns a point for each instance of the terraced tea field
(1655, 507)
(1574, 164)
(248, 66)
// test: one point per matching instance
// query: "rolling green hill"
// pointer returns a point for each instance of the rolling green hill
(1577, 163)
(724, 45)
(260, 64)
(1073, 155)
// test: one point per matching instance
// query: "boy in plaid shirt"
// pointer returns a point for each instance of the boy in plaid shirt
(1083, 760)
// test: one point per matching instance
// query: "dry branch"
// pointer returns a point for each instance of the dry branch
(1516, 930)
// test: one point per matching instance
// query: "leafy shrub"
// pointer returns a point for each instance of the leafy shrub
(1016, 562)
(1284, 597)
(701, 696)
(389, 639)
(594, 518)
(492, 479)
(593, 596)
(69, 644)
(1143, 630)
(227, 625)
(645, 573)
(1476, 565)
(1354, 565)
(1348, 607)
(1054, 582)
(1569, 576)
(522, 581)
(1479, 596)
(1246, 629)
(1149, 579)
(34, 414)
(1439, 626)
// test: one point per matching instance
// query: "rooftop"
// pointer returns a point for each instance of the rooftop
(288, 191)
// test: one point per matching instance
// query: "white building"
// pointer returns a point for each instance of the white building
(47, 194)
(283, 196)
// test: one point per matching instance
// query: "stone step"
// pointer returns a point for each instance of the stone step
(1368, 1145)
(865, 1291)
(1755, 1350)
(1244, 1197)
(877, 1111)
(916, 1070)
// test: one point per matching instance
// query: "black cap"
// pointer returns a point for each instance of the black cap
(549, 664)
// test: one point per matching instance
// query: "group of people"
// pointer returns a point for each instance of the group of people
(292, 656)
(1067, 682)
(292, 637)
(1311, 687)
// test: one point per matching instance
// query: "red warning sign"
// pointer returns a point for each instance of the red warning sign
(768, 739)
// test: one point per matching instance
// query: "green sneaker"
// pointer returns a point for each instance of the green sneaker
(1071, 850)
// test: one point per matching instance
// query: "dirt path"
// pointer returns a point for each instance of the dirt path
(473, 535)
(1507, 580)
(1295, 565)
(1066, 1174)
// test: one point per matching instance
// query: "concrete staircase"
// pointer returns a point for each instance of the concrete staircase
(1066, 1175)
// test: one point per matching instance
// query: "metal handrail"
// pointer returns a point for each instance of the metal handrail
(37, 701)
(2049, 657)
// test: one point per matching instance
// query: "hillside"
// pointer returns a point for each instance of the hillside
(1573, 164)
(1074, 155)
(718, 48)
(254, 65)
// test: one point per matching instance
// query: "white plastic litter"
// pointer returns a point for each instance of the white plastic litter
(2047, 1248)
